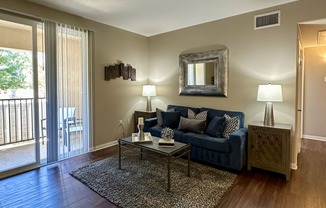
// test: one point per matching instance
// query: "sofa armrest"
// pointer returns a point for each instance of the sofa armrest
(148, 123)
(238, 142)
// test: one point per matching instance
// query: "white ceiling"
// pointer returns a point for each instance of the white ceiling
(152, 17)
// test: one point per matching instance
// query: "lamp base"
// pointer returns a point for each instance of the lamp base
(149, 104)
(269, 115)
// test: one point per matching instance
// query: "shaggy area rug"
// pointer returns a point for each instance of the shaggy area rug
(143, 183)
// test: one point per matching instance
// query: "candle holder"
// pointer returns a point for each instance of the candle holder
(141, 135)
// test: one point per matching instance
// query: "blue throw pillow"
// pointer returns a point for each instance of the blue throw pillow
(159, 115)
(216, 127)
(171, 119)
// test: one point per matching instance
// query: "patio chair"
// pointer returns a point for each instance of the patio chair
(66, 119)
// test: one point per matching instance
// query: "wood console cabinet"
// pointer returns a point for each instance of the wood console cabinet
(269, 147)
(145, 114)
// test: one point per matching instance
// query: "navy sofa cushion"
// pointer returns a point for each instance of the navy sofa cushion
(178, 135)
(216, 126)
(183, 110)
(207, 142)
(156, 131)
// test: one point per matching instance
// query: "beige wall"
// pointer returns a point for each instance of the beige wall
(315, 88)
(252, 55)
(255, 57)
(115, 99)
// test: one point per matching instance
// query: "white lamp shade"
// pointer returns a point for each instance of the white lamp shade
(270, 93)
(149, 90)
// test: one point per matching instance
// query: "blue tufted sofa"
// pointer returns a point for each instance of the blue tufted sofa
(228, 153)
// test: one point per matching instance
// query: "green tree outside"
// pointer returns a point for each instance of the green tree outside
(13, 68)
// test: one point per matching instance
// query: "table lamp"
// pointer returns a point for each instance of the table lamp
(149, 91)
(269, 94)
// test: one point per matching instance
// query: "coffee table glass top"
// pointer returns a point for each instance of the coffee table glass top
(155, 146)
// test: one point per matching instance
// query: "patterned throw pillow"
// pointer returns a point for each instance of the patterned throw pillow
(159, 115)
(231, 125)
(200, 116)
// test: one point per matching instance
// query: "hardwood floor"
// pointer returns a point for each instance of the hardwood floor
(307, 187)
(52, 186)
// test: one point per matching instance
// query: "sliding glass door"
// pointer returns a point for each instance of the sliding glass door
(44, 93)
(21, 94)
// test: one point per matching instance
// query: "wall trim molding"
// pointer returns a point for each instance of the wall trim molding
(105, 145)
(318, 138)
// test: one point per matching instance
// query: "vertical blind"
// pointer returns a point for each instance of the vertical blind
(71, 90)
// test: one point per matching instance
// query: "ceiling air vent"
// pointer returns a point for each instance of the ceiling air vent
(270, 19)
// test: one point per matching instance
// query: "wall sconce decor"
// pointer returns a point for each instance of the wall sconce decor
(118, 70)
(269, 93)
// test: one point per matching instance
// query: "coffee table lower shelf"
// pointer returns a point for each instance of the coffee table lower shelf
(178, 150)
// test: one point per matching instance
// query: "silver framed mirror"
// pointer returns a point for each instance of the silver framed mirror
(204, 73)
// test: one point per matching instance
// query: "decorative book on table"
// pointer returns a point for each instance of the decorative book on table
(166, 143)
(147, 138)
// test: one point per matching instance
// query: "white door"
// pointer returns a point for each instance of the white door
(299, 104)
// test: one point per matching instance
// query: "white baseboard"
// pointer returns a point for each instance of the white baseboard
(294, 166)
(102, 146)
(318, 138)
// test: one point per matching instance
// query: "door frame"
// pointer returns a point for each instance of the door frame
(7, 16)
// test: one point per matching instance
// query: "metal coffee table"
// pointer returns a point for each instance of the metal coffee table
(171, 153)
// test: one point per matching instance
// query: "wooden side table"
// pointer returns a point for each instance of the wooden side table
(145, 114)
(269, 147)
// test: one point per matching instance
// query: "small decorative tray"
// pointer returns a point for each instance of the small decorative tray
(136, 139)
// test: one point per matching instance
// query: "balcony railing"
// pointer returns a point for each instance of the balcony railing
(16, 119)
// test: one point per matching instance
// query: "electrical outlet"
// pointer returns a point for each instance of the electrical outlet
(120, 122)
